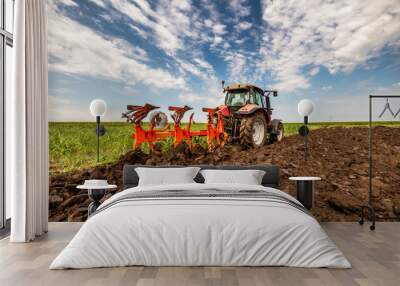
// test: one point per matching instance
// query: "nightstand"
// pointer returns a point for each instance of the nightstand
(96, 191)
(305, 190)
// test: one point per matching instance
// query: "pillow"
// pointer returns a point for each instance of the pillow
(248, 177)
(166, 176)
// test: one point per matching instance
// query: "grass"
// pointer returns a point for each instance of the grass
(73, 144)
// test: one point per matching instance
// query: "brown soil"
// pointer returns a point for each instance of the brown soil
(338, 155)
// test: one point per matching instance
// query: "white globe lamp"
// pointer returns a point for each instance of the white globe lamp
(305, 107)
(98, 108)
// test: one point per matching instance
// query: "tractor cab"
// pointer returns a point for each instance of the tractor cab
(242, 98)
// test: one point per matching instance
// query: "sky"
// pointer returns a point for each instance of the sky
(176, 52)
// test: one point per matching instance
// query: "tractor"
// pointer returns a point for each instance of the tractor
(247, 115)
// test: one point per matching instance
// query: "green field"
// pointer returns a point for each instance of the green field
(73, 144)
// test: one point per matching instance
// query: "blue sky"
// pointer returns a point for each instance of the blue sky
(176, 52)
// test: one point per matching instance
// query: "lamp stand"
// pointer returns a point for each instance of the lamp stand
(305, 138)
(98, 137)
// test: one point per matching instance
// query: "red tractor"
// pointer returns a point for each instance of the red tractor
(247, 115)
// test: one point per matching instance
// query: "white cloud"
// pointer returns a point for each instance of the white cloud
(67, 2)
(64, 109)
(219, 29)
(218, 40)
(326, 87)
(100, 3)
(140, 31)
(240, 7)
(390, 89)
(191, 68)
(213, 97)
(244, 25)
(89, 53)
(204, 64)
(236, 65)
(240, 41)
(170, 21)
(241, 65)
(314, 71)
(338, 35)
(57, 100)
(176, 29)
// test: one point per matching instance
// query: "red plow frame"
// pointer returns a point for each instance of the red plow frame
(216, 136)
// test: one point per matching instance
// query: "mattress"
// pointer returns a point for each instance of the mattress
(201, 225)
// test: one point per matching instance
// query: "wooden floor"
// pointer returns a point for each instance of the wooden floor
(375, 257)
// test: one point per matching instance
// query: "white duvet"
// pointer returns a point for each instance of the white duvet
(200, 231)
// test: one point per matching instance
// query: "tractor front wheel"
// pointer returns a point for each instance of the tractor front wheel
(253, 130)
(278, 135)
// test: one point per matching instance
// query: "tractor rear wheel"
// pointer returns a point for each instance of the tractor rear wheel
(253, 130)
(278, 135)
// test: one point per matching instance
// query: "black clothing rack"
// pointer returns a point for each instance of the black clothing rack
(369, 205)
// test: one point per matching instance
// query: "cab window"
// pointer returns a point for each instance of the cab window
(239, 97)
(259, 99)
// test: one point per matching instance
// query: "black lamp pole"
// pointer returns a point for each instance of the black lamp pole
(305, 137)
(98, 137)
(303, 131)
(305, 108)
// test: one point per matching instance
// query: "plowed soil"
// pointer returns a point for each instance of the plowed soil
(338, 155)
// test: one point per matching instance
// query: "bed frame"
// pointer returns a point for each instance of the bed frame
(270, 179)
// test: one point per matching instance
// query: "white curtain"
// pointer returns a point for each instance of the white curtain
(26, 123)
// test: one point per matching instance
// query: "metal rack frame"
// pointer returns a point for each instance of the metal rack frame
(369, 205)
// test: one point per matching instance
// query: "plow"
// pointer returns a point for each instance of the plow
(245, 118)
(160, 129)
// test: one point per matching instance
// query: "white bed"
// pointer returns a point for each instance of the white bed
(202, 231)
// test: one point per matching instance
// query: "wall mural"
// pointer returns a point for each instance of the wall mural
(219, 82)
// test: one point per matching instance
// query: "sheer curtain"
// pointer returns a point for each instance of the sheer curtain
(26, 121)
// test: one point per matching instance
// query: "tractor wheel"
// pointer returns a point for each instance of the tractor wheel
(278, 136)
(253, 130)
